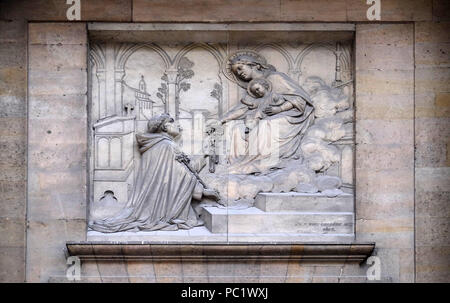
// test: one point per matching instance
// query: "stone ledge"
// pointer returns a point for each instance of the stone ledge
(197, 26)
(329, 252)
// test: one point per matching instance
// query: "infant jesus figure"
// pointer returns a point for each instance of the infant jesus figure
(259, 98)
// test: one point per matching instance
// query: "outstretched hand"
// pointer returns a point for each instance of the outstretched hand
(211, 193)
(214, 195)
(272, 110)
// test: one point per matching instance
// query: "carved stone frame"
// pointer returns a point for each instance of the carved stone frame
(322, 251)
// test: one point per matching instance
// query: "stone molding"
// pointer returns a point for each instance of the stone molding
(195, 26)
(313, 252)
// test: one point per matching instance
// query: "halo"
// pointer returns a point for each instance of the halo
(258, 80)
(226, 64)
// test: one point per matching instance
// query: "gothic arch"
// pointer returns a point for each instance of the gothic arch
(216, 53)
(125, 51)
(97, 55)
(299, 60)
(289, 59)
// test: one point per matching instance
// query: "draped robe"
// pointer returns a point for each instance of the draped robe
(162, 194)
(276, 138)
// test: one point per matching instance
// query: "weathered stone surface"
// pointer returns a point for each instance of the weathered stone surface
(196, 10)
(13, 54)
(13, 199)
(12, 260)
(12, 231)
(374, 35)
(13, 128)
(294, 10)
(395, 10)
(12, 152)
(68, 82)
(433, 204)
(384, 132)
(13, 31)
(273, 272)
(54, 107)
(433, 231)
(432, 104)
(34, 10)
(432, 79)
(431, 154)
(68, 180)
(57, 33)
(385, 154)
(255, 221)
(12, 90)
(12, 149)
(55, 57)
(48, 10)
(168, 272)
(384, 185)
(441, 10)
(57, 206)
(141, 272)
(194, 272)
(106, 10)
(432, 54)
(386, 57)
(384, 47)
(378, 106)
(285, 10)
(430, 130)
(432, 150)
(431, 32)
(113, 272)
(58, 131)
(12, 173)
(220, 10)
(56, 232)
(393, 82)
(57, 144)
(429, 179)
(42, 265)
(433, 263)
(303, 202)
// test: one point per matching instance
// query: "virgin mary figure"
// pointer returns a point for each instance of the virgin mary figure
(276, 138)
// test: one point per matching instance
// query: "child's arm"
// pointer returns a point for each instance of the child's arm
(234, 114)
(277, 99)
(246, 100)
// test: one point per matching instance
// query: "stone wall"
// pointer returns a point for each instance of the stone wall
(402, 127)
(13, 149)
(432, 134)
(385, 144)
(57, 144)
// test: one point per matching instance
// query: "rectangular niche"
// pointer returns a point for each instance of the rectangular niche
(283, 161)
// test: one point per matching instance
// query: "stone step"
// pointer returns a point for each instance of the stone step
(302, 202)
(255, 221)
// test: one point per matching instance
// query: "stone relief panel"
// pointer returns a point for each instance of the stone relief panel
(222, 141)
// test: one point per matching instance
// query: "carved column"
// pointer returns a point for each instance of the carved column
(171, 106)
(110, 82)
(102, 107)
(338, 53)
(118, 98)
